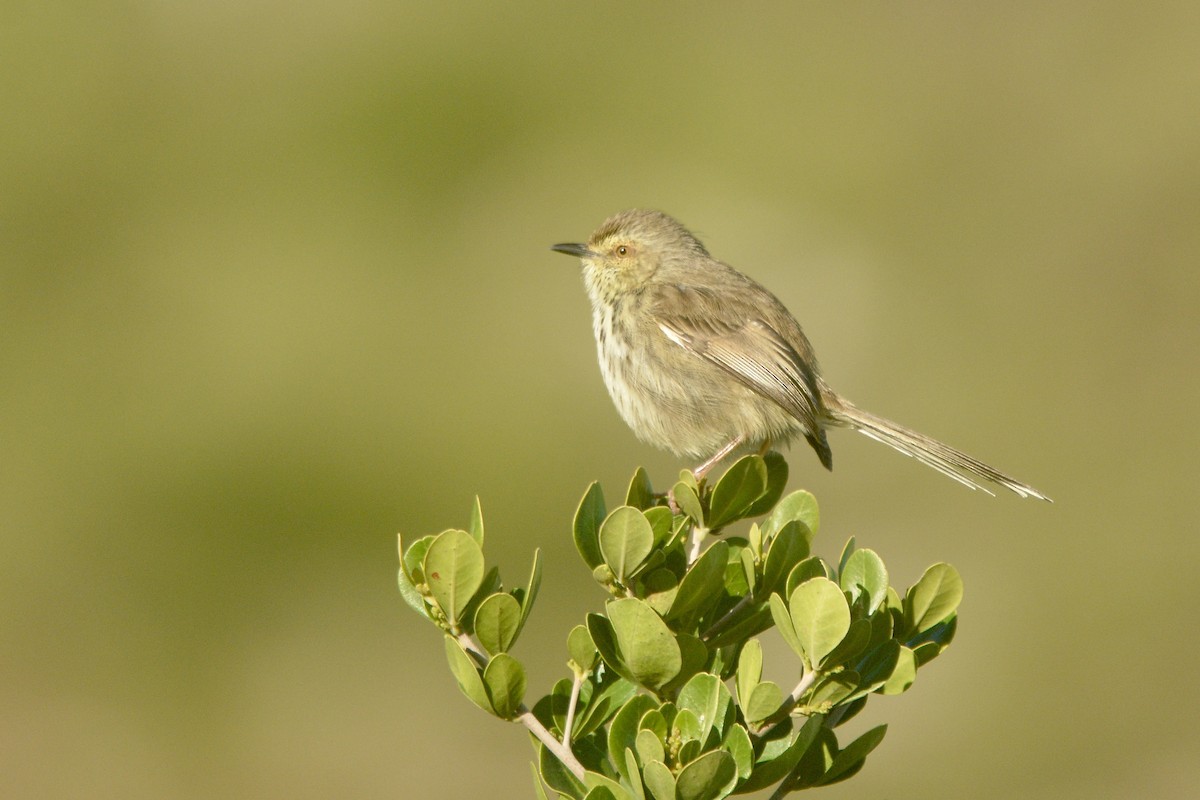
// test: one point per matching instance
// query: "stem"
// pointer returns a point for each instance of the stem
(560, 750)
(724, 621)
(566, 737)
(806, 682)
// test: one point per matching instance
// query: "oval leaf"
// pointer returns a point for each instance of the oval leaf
(933, 598)
(800, 505)
(586, 528)
(659, 780)
(701, 586)
(504, 679)
(454, 571)
(865, 574)
(626, 538)
(777, 475)
(737, 490)
(462, 666)
(787, 549)
(708, 698)
(820, 617)
(688, 502)
(707, 777)
(497, 621)
(645, 643)
(765, 699)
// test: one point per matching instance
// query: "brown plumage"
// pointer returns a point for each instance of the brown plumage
(700, 360)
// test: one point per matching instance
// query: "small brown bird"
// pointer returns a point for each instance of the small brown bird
(701, 361)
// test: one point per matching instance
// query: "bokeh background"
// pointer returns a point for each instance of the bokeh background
(274, 285)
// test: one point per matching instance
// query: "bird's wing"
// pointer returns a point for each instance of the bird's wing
(749, 349)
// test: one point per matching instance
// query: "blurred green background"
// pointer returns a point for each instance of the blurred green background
(275, 285)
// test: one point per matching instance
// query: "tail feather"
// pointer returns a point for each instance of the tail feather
(942, 457)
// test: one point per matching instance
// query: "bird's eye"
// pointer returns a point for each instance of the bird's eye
(622, 250)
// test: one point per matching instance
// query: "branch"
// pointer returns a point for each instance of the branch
(560, 750)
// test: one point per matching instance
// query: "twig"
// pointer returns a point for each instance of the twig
(566, 737)
(724, 621)
(560, 750)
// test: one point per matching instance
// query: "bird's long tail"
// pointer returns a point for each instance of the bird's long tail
(942, 457)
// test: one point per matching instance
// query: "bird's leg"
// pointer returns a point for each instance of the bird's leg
(703, 469)
(766, 447)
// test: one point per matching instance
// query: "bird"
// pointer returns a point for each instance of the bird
(703, 361)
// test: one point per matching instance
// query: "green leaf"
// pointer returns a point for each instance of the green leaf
(749, 670)
(454, 571)
(686, 726)
(933, 598)
(877, 667)
(809, 568)
(708, 698)
(414, 559)
(476, 526)
(694, 658)
(649, 747)
(787, 549)
(605, 702)
(688, 501)
(580, 647)
(702, 585)
(777, 475)
(659, 780)
(660, 519)
(832, 690)
(852, 756)
(605, 639)
(635, 775)
(537, 783)
(602, 787)
(799, 505)
(864, 573)
(783, 621)
(408, 590)
(531, 590)
(604, 793)
(640, 494)
(497, 621)
(754, 621)
(462, 666)
(504, 679)
(622, 733)
(929, 643)
(851, 546)
(820, 617)
(659, 588)
(707, 777)
(737, 742)
(588, 518)
(903, 675)
(749, 569)
(557, 776)
(646, 645)
(626, 538)
(737, 490)
(852, 644)
(769, 771)
(764, 700)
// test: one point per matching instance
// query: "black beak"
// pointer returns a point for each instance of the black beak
(573, 249)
